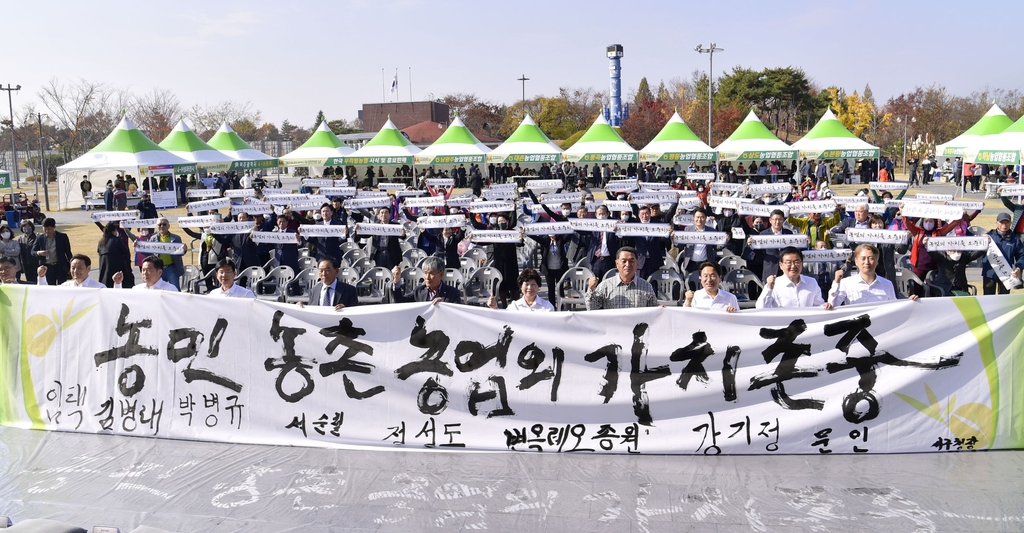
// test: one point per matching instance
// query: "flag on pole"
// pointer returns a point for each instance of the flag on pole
(394, 83)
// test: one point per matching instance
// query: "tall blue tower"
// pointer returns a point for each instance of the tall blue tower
(615, 91)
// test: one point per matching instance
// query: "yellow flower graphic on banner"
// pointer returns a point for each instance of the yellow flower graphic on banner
(965, 421)
(42, 330)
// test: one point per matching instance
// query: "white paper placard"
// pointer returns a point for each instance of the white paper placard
(536, 185)
(966, 205)
(1002, 269)
(617, 186)
(367, 203)
(724, 202)
(690, 202)
(390, 186)
(490, 207)
(760, 210)
(459, 201)
(877, 236)
(389, 230)
(501, 236)
(851, 200)
(606, 225)
(252, 209)
(650, 229)
(318, 182)
(738, 233)
(277, 190)
(762, 242)
(654, 186)
(240, 193)
(682, 220)
(425, 201)
(617, 205)
(159, 248)
(836, 255)
(410, 192)
(202, 193)
(668, 197)
(337, 191)
(139, 223)
(111, 216)
(1011, 190)
(510, 186)
(371, 194)
(728, 187)
(704, 176)
(941, 212)
(232, 228)
(769, 188)
(561, 198)
(306, 205)
(284, 199)
(499, 194)
(441, 221)
(441, 182)
(817, 206)
(889, 185)
(966, 243)
(878, 209)
(934, 197)
(208, 205)
(204, 221)
(548, 228)
(323, 230)
(716, 238)
(275, 237)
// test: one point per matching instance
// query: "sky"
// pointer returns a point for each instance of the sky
(292, 59)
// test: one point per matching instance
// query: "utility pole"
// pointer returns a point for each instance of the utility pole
(711, 73)
(14, 150)
(42, 163)
(524, 79)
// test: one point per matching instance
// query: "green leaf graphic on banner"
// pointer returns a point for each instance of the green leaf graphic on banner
(966, 421)
(42, 330)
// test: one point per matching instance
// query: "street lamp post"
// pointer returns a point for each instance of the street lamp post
(14, 150)
(906, 122)
(711, 71)
(42, 163)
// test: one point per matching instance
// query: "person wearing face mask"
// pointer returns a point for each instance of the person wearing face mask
(769, 258)
(9, 247)
(650, 250)
(951, 270)
(602, 246)
(384, 249)
(504, 256)
(1013, 252)
(921, 263)
(29, 260)
(696, 254)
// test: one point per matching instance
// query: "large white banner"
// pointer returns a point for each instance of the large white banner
(863, 379)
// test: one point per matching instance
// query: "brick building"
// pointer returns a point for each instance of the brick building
(403, 114)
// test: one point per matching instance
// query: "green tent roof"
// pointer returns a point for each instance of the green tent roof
(183, 139)
(829, 127)
(675, 130)
(457, 133)
(227, 140)
(528, 132)
(994, 121)
(126, 138)
(751, 128)
(388, 136)
(323, 137)
(601, 131)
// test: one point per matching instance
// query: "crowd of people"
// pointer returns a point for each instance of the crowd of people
(536, 261)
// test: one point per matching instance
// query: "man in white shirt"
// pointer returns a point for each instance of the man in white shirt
(866, 287)
(80, 267)
(794, 289)
(711, 296)
(226, 277)
(152, 270)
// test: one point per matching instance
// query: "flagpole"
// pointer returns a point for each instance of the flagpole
(396, 85)
(383, 98)
(410, 84)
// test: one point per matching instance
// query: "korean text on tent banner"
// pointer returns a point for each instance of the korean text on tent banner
(208, 205)
(877, 236)
(165, 248)
(860, 379)
(389, 230)
(716, 238)
(761, 242)
(449, 221)
(548, 228)
(113, 216)
(501, 236)
(275, 237)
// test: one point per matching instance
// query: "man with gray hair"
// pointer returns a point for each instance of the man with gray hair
(432, 289)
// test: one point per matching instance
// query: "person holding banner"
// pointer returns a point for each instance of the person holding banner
(432, 290)
(866, 286)
(228, 288)
(815, 227)
(1012, 251)
(768, 257)
(623, 291)
(504, 256)
(286, 254)
(921, 263)
(54, 250)
(529, 283)
(115, 257)
(1017, 222)
(330, 291)
(794, 289)
(27, 239)
(80, 267)
(951, 270)
(384, 249)
(602, 246)
(696, 253)
(710, 296)
(172, 266)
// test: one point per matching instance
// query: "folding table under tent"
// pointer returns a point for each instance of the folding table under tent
(601, 144)
(676, 143)
(528, 146)
(1004, 148)
(322, 149)
(243, 156)
(753, 142)
(124, 150)
(995, 121)
(456, 146)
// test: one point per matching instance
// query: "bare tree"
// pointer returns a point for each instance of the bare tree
(156, 113)
(81, 110)
(207, 119)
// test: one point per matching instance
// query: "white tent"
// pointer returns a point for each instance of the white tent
(753, 142)
(184, 143)
(322, 149)
(993, 122)
(243, 156)
(527, 145)
(601, 144)
(457, 145)
(126, 149)
(829, 139)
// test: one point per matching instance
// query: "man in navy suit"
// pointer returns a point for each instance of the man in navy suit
(602, 247)
(329, 291)
(697, 254)
(433, 288)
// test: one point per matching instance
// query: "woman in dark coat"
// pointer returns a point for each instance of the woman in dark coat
(114, 257)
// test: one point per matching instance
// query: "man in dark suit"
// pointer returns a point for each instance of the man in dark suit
(649, 250)
(770, 257)
(328, 246)
(54, 251)
(602, 247)
(385, 250)
(432, 290)
(329, 291)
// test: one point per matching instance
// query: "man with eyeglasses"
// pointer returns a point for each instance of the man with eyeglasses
(625, 290)
(793, 289)
(172, 265)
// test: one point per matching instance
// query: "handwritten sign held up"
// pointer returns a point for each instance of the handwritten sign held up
(617, 205)
(337, 191)
(762, 242)
(966, 205)
(390, 186)
(320, 230)
(704, 176)
(715, 238)
(275, 237)
(561, 198)
(818, 206)
(208, 205)
(318, 182)
(240, 193)
(367, 203)
(232, 228)
(163, 248)
(850, 200)
(652, 229)
(441, 182)
(941, 212)
(500, 236)
(548, 228)
(877, 236)
(284, 199)
(139, 223)
(449, 221)
(836, 255)
(725, 202)
(112, 216)
(500, 194)
(769, 188)
(425, 201)
(934, 197)
(490, 207)
(667, 197)
(459, 201)
(760, 210)
(252, 209)
(389, 230)
(204, 221)
(727, 187)
(542, 185)
(606, 225)
(941, 244)
(889, 185)
(202, 193)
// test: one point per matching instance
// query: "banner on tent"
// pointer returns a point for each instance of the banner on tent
(853, 380)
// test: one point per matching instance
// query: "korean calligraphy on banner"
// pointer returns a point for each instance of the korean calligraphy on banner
(861, 379)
